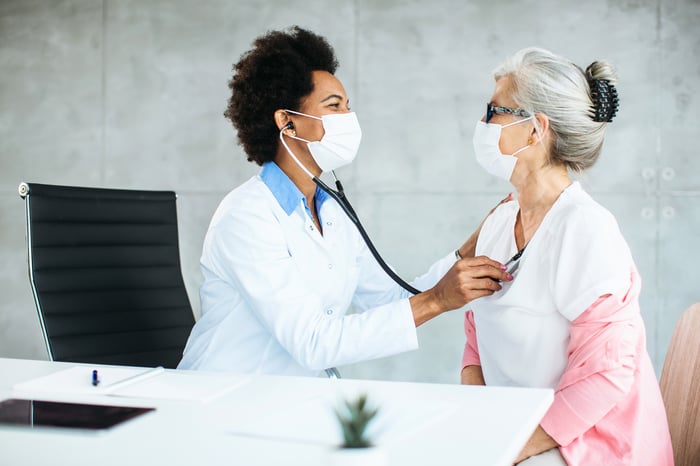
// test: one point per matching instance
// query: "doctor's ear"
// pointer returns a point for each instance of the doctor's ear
(282, 120)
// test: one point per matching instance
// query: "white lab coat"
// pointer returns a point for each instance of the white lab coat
(276, 292)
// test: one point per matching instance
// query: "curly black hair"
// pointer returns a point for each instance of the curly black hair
(274, 74)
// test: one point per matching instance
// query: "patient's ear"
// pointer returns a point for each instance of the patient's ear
(543, 123)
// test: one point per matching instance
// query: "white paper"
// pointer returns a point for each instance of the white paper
(134, 383)
(195, 386)
(77, 380)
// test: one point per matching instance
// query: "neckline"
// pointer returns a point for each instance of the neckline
(545, 220)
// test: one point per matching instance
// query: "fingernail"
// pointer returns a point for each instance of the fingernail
(503, 267)
(509, 276)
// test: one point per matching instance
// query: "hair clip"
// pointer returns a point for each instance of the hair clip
(605, 100)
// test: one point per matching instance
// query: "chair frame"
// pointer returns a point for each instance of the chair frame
(24, 194)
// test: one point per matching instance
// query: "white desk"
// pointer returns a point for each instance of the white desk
(266, 420)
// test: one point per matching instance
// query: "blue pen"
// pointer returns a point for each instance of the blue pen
(95, 378)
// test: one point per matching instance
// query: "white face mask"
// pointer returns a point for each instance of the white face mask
(339, 144)
(488, 153)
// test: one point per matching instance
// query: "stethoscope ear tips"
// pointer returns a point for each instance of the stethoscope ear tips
(288, 127)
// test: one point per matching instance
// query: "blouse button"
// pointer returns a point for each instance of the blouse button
(329, 311)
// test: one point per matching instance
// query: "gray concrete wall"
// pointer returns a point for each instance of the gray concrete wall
(130, 93)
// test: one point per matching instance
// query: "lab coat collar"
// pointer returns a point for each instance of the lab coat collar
(285, 191)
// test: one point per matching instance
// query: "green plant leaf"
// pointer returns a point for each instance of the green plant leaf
(354, 417)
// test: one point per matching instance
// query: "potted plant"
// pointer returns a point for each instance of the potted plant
(354, 417)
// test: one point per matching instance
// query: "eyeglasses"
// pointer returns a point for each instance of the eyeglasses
(492, 110)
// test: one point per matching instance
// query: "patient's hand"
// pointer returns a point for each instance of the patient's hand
(539, 442)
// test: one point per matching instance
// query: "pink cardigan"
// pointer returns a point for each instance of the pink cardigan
(607, 407)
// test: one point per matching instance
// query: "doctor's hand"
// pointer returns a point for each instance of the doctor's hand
(467, 279)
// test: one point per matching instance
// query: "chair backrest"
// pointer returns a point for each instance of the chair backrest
(104, 265)
(680, 388)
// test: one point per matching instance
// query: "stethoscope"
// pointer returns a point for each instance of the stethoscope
(342, 200)
(339, 196)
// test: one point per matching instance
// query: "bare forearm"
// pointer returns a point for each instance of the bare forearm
(473, 375)
(539, 442)
(425, 306)
(468, 249)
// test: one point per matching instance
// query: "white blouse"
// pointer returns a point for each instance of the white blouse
(576, 255)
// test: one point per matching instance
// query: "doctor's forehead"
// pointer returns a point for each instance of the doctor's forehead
(327, 86)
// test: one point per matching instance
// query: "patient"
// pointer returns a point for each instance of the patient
(570, 319)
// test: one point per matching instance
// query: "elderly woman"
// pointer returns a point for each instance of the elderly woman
(282, 263)
(570, 319)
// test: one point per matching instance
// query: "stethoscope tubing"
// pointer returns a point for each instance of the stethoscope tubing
(341, 199)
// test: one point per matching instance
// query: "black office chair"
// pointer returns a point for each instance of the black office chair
(104, 266)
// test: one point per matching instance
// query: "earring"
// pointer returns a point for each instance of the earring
(529, 141)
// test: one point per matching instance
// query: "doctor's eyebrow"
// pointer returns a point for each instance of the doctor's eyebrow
(333, 96)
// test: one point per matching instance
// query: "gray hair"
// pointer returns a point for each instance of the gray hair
(543, 82)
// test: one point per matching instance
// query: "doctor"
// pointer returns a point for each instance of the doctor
(282, 263)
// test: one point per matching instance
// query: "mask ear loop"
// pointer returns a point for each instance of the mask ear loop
(303, 114)
(517, 122)
(291, 154)
(529, 139)
(289, 151)
(298, 162)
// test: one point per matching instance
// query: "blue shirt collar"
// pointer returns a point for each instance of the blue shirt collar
(285, 191)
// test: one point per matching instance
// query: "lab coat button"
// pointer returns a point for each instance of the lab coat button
(329, 223)
(329, 311)
(330, 266)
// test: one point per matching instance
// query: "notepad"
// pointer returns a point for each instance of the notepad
(184, 385)
(77, 380)
(151, 383)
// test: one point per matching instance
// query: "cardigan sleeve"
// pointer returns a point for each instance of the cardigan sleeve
(605, 342)
(471, 349)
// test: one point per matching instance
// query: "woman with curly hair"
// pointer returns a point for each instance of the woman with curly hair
(282, 263)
